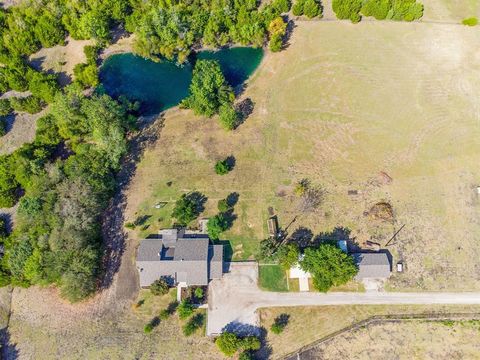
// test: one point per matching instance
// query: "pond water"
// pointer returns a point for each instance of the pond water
(161, 85)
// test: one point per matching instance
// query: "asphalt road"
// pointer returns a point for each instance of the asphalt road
(234, 299)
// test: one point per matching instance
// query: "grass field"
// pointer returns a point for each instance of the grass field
(272, 278)
(405, 340)
(386, 109)
(308, 324)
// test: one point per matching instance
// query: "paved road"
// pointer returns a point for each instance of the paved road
(235, 298)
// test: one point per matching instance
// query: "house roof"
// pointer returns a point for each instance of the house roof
(372, 265)
(189, 260)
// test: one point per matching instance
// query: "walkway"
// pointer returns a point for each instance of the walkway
(234, 299)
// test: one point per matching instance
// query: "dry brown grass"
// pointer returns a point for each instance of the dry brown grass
(308, 324)
(346, 106)
(415, 339)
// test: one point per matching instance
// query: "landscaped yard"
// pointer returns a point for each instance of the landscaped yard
(272, 278)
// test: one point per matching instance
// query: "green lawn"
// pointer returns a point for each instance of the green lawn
(272, 278)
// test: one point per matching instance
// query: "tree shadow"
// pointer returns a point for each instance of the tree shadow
(232, 199)
(230, 161)
(8, 350)
(198, 199)
(244, 109)
(282, 319)
(113, 231)
(227, 252)
(288, 33)
(302, 236)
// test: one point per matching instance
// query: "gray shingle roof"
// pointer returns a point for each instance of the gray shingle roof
(372, 265)
(189, 260)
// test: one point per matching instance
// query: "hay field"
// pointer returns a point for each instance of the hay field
(309, 324)
(387, 109)
(404, 340)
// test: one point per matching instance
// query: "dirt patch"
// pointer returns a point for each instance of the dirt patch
(381, 211)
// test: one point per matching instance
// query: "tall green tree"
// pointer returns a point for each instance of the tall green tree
(329, 266)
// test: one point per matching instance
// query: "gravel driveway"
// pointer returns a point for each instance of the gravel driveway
(234, 299)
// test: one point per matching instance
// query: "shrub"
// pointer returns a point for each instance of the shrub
(302, 187)
(473, 21)
(280, 323)
(3, 126)
(199, 293)
(223, 205)
(222, 167)
(130, 225)
(195, 323)
(5, 107)
(276, 43)
(185, 309)
(159, 287)
(148, 328)
(311, 9)
(297, 8)
(377, 8)
(91, 53)
(228, 116)
(228, 343)
(29, 104)
(347, 9)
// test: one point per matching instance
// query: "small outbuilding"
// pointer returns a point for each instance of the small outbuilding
(372, 265)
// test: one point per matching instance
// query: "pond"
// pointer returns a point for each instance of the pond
(162, 85)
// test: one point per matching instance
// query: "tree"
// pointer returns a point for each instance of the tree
(208, 89)
(276, 43)
(195, 322)
(3, 126)
(377, 8)
(329, 266)
(287, 255)
(5, 107)
(86, 74)
(222, 167)
(159, 287)
(185, 309)
(277, 29)
(228, 343)
(216, 225)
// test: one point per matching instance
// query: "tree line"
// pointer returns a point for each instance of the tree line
(63, 181)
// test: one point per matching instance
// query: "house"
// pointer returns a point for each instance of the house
(185, 259)
(372, 265)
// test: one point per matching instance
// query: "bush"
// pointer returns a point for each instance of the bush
(297, 8)
(276, 43)
(347, 9)
(195, 323)
(3, 126)
(311, 9)
(91, 53)
(228, 116)
(185, 309)
(228, 343)
(5, 107)
(159, 287)
(29, 104)
(199, 293)
(473, 21)
(223, 206)
(222, 167)
(280, 323)
(377, 8)
(148, 328)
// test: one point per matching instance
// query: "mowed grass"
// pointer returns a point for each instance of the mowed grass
(308, 324)
(342, 106)
(272, 278)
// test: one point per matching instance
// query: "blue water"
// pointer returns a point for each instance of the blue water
(161, 85)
